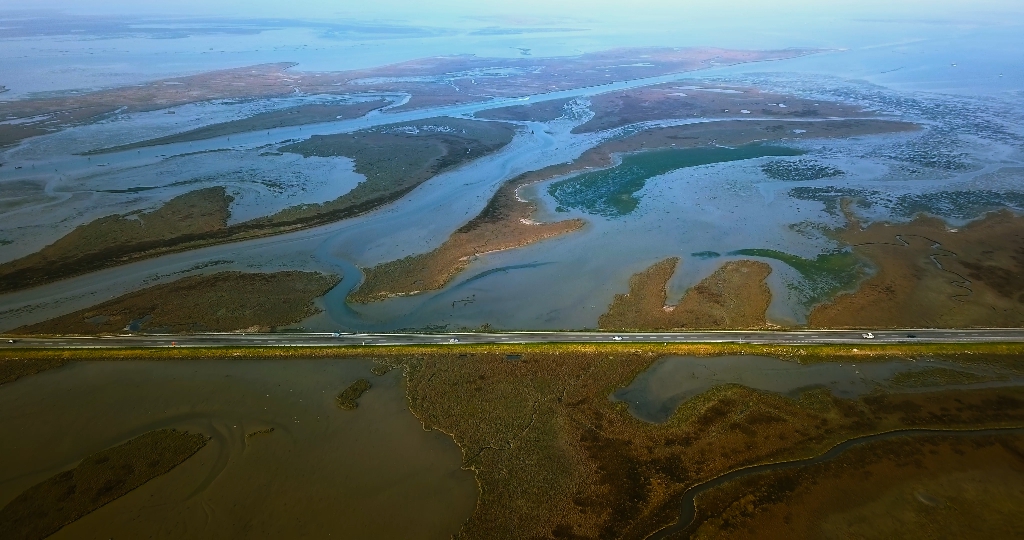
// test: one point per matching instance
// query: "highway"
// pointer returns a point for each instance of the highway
(804, 337)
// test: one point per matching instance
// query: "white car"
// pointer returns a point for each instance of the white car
(453, 340)
(617, 338)
(868, 335)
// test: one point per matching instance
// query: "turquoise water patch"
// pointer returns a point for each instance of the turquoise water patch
(611, 192)
(823, 276)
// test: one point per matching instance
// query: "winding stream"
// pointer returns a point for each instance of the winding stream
(687, 509)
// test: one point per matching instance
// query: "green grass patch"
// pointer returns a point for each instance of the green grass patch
(823, 276)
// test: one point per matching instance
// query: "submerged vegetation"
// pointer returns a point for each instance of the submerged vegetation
(823, 276)
(611, 192)
(799, 170)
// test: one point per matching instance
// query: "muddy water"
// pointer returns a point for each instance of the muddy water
(656, 393)
(368, 473)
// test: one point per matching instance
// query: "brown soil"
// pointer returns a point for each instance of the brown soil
(505, 223)
(734, 296)
(225, 301)
(554, 457)
(668, 101)
(544, 111)
(929, 276)
(276, 80)
(292, 116)
(913, 487)
(100, 478)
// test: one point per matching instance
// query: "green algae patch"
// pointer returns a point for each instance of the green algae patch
(612, 192)
(46, 507)
(348, 397)
(823, 276)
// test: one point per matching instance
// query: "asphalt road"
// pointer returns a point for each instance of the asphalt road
(319, 340)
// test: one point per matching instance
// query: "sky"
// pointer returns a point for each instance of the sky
(536, 10)
(986, 31)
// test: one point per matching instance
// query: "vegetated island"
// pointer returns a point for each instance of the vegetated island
(99, 479)
(924, 274)
(394, 159)
(734, 296)
(300, 115)
(219, 302)
(507, 220)
(429, 82)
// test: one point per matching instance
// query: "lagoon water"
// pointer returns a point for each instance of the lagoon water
(892, 63)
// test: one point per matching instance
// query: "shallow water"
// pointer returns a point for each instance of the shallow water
(656, 393)
(971, 146)
(612, 192)
(368, 473)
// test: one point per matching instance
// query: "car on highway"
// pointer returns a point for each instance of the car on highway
(617, 338)
(10, 341)
(453, 340)
(868, 335)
